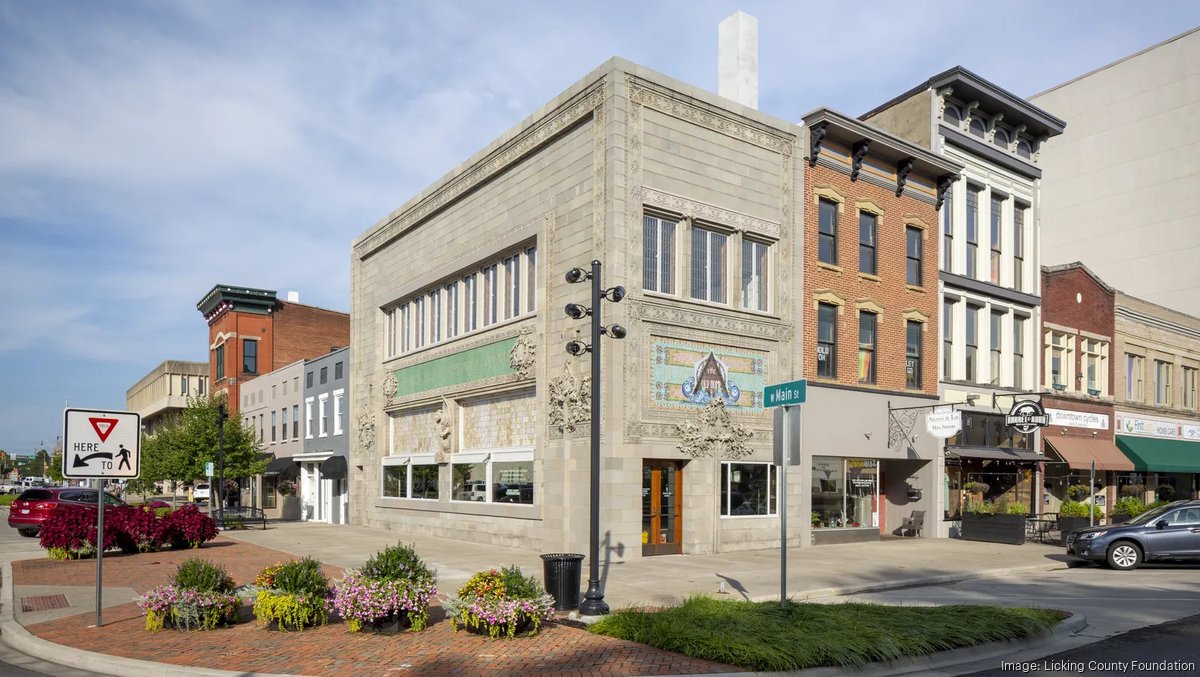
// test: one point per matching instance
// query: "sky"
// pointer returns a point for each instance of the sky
(150, 150)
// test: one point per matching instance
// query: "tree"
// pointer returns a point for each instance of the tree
(42, 459)
(55, 470)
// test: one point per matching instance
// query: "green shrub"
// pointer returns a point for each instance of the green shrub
(301, 577)
(202, 576)
(288, 611)
(1076, 509)
(1078, 492)
(397, 563)
(1017, 509)
(1138, 490)
(976, 487)
(1129, 505)
(982, 508)
(517, 584)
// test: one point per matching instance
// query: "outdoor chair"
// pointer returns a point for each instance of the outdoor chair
(913, 524)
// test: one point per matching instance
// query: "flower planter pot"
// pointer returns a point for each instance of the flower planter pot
(994, 528)
(522, 624)
(290, 509)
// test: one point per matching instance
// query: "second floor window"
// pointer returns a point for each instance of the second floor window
(754, 275)
(972, 231)
(826, 340)
(250, 356)
(947, 335)
(295, 421)
(324, 375)
(914, 255)
(995, 340)
(273, 424)
(1189, 387)
(1162, 382)
(283, 429)
(512, 273)
(997, 219)
(1018, 247)
(867, 323)
(709, 263)
(183, 385)
(1095, 366)
(1135, 369)
(948, 232)
(867, 231)
(337, 371)
(972, 342)
(308, 382)
(1018, 352)
(219, 358)
(1061, 359)
(827, 232)
(435, 315)
(470, 304)
(452, 310)
(912, 354)
(658, 254)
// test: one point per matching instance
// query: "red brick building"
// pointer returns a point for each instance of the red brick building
(870, 322)
(251, 332)
(1078, 325)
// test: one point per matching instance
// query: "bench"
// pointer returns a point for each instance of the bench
(238, 516)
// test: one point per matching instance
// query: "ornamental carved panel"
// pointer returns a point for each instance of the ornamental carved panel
(523, 355)
(714, 433)
(570, 401)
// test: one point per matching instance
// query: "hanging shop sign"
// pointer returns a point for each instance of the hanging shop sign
(1026, 416)
(943, 424)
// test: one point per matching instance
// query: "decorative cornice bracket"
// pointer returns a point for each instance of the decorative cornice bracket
(943, 184)
(816, 135)
(860, 152)
(903, 167)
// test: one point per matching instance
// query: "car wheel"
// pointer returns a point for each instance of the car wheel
(28, 533)
(1124, 556)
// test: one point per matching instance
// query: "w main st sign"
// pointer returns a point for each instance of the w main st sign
(98, 443)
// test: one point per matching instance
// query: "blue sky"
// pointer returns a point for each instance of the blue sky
(149, 150)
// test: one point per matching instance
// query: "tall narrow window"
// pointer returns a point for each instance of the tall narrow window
(867, 231)
(390, 318)
(308, 418)
(997, 218)
(337, 411)
(1189, 387)
(250, 356)
(1095, 366)
(274, 423)
(470, 304)
(948, 232)
(323, 414)
(1135, 368)
(914, 254)
(826, 340)
(324, 375)
(418, 311)
(1162, 382)
(1019, 247)
(338, 371)
(754, 275)
(295, 421)
(912, 354)
(1018, 352)
(512, 272)
(435, 316)
(1061, 359)
(972, 231)
(827, 232)
(452, 310)
(947, 335)
(866, 347)
(709, 262)
(972, 341)
(405, 329)
(283, 415)
(219, 358)
(183, 385)
(491, 295)
(531, 279)
(658, 254)
(995, 340)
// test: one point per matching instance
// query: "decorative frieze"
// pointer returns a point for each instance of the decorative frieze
(699, 319)
(692, 209)
(714, 433)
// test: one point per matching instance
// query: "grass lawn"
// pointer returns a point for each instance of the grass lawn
(7, 499)
(762, 636)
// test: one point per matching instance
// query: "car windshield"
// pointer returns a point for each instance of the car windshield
(1149, 515)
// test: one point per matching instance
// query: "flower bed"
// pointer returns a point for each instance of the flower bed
(200, 597)
(500, 602)
(394, 587)
(292, 595)
(69, 532)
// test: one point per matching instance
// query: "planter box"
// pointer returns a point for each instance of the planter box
(844, 535)
(291, 508)
(994, 528)
(1068, 524)
(1119, 519)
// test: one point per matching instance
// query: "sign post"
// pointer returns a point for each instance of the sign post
(786, 441)
(100, 444)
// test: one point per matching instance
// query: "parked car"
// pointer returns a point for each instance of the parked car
(31, 508)
(201, 492)
(1167, 533)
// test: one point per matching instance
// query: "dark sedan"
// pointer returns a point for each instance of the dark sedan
(1167, 533)
(31, 508)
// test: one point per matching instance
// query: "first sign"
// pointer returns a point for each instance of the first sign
(101, 444)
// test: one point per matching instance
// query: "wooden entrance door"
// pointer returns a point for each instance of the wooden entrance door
(662, 507)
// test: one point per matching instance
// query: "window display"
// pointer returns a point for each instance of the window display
(748, 489)
(845, 493)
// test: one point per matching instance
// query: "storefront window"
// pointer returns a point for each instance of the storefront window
(748, 489)
(395, 480)
(845, 492)
(404, 478)
(988, 430)
(424, 482)
(269, 487)
(470, 482)
(512, 481)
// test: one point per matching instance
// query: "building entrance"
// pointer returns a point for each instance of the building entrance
(662, 508)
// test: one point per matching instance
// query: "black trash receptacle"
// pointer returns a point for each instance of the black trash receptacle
(562, 574)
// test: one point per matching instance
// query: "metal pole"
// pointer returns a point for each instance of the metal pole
(593, 600)
(220, 493)
(99, 550)
(1092, 503)
(783, 511)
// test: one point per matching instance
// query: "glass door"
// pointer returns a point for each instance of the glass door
(662, 507)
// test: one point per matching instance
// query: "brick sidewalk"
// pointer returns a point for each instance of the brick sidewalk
(329, 650)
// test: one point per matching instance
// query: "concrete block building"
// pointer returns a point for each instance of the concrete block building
(165, 391)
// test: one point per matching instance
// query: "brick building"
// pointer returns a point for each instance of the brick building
(251, 332)
(870, 318)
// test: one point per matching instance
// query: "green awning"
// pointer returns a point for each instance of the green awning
(1150, 454)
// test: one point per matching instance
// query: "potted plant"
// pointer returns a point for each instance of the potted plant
(200, 596)
(1078, 492)
(1073, 515)
(992, 523)
(1137, 490)
(291, 595)
(392, 590)
(1126, 508)
(500, 602)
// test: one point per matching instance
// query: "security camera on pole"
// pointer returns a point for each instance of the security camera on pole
(593, 600)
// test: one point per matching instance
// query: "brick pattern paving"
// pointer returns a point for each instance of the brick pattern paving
(44, 603)
(328, 650)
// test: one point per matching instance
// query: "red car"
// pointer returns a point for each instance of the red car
(31, 508)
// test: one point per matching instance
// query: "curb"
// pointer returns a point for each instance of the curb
(902, 583)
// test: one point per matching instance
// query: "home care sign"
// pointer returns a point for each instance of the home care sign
(101, 444)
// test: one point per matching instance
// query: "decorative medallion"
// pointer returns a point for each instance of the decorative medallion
(570, 400)
(714, 433)
(523, 355)
(366, 431)
(389, 386)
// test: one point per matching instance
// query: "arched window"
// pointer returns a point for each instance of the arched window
(1001, 139)
(952, 115)
(1024, 149)
(978, 126)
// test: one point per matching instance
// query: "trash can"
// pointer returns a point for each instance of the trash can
(562, 574)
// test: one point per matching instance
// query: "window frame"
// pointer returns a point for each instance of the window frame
(996, 235)
(323, 415)
(715, 277)
(948, 231)
(972, 235)
(339, 396)
(659, 257)
(308, 417)
(971, 342)
(868, 371)
(1018, 362)
(913, 354)
(409, 461)
(756, 254)
(948, 339)
(995, 345)
(489, 458)
(1162, 391)
(249, 356)
(917, 258)
(831, 344)
(868, 242)
(1019, 210)
(724, 511)
(826, 206)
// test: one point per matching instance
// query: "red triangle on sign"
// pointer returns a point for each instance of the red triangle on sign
(103, 427)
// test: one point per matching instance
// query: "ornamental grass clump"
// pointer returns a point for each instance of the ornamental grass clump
(501, 601)
(200, 596)
(394, 586)
(294, 595)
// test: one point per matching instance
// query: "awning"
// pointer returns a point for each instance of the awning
(996, 454)
(286, 467)
(1079, 452)
(1159, 455)
(334, 468)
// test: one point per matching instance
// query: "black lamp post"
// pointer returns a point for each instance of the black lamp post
(593, 600)
(221, 416)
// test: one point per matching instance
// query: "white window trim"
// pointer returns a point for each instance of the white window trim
(322, 427)
(308, 418)
(772, 491)
(338, 398)
(409, 460)
(489, 457)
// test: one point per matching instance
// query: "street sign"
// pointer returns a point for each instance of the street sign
(785, 438)
(785, 394)
(99, 443)
(209, 470)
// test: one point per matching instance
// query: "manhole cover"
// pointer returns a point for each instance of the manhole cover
(44, 603)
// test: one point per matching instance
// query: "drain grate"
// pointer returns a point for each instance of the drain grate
(44, 603)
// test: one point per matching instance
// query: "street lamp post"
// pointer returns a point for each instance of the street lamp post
(221, 416)
(593, 600)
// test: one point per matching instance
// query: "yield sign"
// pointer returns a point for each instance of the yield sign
(103, 426)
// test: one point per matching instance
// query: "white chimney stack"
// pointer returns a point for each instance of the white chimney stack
(737, 59)
(293, 297)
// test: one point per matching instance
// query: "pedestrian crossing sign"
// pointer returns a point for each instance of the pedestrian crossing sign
(99, 443)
